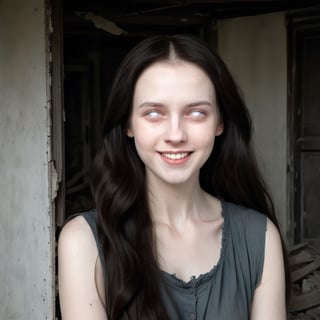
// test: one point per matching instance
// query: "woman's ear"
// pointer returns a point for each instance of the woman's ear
(129, 133)
(219, 129)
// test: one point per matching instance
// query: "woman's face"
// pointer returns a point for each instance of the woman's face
(174, 121)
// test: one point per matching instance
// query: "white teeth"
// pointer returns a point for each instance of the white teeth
(175, 156)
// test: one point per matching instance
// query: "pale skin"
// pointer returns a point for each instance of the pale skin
(174, 123)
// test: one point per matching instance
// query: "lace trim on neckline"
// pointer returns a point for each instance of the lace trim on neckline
(195, 281)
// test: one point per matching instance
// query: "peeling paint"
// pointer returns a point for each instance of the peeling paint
(54, 186)
(102, 23)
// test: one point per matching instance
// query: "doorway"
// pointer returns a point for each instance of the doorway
(91, 57)
(305, 129)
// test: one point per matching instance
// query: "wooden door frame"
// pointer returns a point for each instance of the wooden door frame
(297, 24)
(57, 115)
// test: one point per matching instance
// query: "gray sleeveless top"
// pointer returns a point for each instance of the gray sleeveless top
(226, 291)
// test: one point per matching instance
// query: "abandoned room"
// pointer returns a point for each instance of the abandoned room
(67, 52)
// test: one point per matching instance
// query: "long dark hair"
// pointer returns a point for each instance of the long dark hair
(118, 181)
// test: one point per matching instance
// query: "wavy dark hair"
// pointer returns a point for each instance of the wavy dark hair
(118, 180)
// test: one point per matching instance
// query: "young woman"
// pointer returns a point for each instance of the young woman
(184, 227)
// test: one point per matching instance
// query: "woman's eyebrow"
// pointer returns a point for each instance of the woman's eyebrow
(150, 104)
(200, 103)
(189, 105)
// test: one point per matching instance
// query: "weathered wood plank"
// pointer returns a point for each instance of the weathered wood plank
(300, 273)
(314, 313)
(298, 247)
(301, 257)
(300, 316)
(305, 301)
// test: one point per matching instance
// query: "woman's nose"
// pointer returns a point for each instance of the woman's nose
(176, 132)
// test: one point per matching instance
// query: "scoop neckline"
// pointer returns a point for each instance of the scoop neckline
(196, 280)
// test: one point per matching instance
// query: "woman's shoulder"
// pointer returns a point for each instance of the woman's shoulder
(246, 234)
(79, 266)
(253, 222)
(77, 233)
(243, 217)
(246, 228)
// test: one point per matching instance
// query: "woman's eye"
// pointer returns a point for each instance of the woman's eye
(197, 113)
(153, 114)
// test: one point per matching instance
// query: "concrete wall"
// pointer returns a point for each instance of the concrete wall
(255, 50)
(26, 278)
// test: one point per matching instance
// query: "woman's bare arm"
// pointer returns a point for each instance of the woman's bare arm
(269, 298)
(78, 280)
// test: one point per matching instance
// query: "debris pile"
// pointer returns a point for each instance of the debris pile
(304, 262)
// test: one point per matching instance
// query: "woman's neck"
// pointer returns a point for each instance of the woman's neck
(175, 205)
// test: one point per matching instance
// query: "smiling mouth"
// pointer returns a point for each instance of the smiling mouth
(176, 155)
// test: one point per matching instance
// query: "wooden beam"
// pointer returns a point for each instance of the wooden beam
(188, 2)
(309, 268)
(161, 20)
(300, 258)
(305, 301)
(298, 247)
